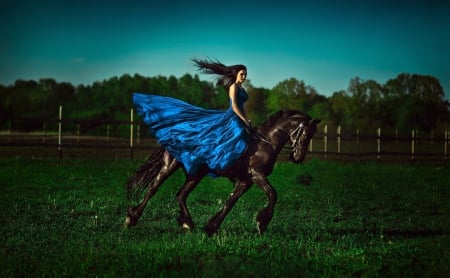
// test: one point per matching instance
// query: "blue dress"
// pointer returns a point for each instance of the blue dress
(193, 135)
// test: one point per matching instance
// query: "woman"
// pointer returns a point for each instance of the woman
(196, 136)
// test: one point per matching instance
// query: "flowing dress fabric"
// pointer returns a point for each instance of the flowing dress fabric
(193, 135)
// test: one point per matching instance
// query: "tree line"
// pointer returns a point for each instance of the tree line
(408, 101)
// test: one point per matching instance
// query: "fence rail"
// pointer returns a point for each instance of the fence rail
(326, 144)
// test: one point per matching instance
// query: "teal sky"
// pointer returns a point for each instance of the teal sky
(323, 43)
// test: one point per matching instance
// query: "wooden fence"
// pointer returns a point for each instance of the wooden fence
(430, 147)
(328, 143)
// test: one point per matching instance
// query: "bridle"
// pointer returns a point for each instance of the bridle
(297, 132)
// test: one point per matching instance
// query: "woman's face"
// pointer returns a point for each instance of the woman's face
(241, 76)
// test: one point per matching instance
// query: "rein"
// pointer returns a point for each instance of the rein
(255, 134)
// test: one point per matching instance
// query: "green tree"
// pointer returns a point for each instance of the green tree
(172, 84)
(187, 91)
(323, 111)
(365, 103)
(5, 106)
(404, 102)
(340, 106)
(375, 103)
(291, 94)
(256, 104)
(417, 101)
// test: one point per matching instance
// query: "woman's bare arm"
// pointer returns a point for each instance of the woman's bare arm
(233, 96)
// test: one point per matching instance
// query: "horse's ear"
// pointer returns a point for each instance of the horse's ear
(315, 121)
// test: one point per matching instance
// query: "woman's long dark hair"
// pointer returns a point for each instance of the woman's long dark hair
(226, 74)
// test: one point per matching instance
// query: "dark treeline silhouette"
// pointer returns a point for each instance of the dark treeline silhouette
(408, 101)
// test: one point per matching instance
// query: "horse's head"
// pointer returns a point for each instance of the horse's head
(301, 131)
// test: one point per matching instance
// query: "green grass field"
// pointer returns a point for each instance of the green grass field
(65, 218)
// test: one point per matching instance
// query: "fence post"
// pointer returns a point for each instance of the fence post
(44, 131)
(446, 137)
(107, 133)
(138, 136)
(131, 134)
(413, 138)
(311, 145)
(325, 139)
(357, 148)
(10, 131)
(339, 139)
(378, 143)
(60, 133)
(78, 132)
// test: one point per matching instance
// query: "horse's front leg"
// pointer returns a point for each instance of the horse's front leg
(185, 218)
(169, 166)
(266, 214)
(214, 223)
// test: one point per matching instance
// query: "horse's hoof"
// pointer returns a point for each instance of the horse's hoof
(261, 228)
(186, 223)
(186, 227)
(130, 222)
(127, 223)
(210, 231)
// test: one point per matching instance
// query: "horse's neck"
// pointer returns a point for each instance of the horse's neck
(277, 135)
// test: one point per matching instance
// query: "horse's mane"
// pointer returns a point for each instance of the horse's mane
(282, 114)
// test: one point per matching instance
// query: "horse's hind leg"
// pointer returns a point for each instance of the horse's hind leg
(169, 166)
(185, 219)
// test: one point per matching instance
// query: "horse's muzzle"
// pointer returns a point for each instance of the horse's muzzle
(296, 158)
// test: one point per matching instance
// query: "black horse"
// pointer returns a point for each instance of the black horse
(253, 167)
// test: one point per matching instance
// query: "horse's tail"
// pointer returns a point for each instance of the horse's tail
(145, 175)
